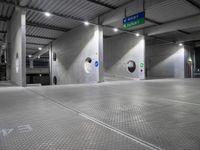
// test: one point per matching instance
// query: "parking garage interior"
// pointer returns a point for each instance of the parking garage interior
(99, 74)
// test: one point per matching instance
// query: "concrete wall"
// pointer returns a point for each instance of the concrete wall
(17, 47)
(71, 50)
(119, 50)
(165, 61)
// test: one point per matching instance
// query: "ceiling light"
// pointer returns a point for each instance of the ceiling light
(180, 44)
(115, 30)
(137, 34)
(29, 56)
(190, 60)
(40, 48)
(47, 14)
(38, 57)
(86, 23)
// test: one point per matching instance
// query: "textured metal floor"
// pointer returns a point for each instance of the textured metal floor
(155, 114)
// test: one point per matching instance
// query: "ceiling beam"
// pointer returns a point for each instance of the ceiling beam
(39, 53)
(3, 32)
(40, 37)
(5, 19)
(32, 49)
(184, 32)
(197, 44)
(181, 24)
(153, 21)
(39, 25)
(159, 23)
(102, 4)
(195, 4)
(191, 37)
(38, 44)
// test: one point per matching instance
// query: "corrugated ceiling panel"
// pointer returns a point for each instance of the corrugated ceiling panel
(115, 3)
(77, 8)
(109, 32)
(3, 26)
(31, 46)
(31, 51)
(6, 10)
(37, 40)
(1, 36)
(43, 32)
(55, 21)
(171, 35)
(171, 10)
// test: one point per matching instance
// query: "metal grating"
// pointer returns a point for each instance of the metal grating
(36, 123)
(162, 112)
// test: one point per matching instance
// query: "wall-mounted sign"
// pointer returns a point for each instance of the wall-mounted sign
(141, 65)
(96, 64)
(134, 20)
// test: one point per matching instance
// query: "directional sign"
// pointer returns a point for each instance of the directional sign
(134, 20)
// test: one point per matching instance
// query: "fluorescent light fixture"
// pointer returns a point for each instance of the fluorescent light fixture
(86, 23)
(29, 56)
(47, 14)
(137, 34)
(115, 30)
(40, 48)
(180, 44)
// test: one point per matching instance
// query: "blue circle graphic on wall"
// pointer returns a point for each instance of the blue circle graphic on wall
(96, 63)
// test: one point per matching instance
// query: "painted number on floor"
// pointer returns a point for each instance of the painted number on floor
(19, 129)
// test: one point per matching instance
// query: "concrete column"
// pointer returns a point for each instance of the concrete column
(17, 47)
(79, 56)
(166, 61)
(50, 63)
(124, 56)
(100, 54)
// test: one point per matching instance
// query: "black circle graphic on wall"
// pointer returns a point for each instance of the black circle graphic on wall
(55, 80)
(54, 56)
(131, 66)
